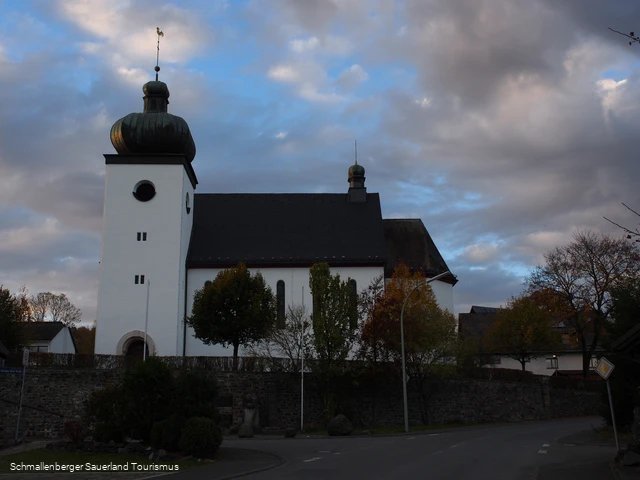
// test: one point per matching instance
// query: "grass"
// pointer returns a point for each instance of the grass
(624, 434)
(49, 457)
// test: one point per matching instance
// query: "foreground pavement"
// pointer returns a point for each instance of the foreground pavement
(530, 451)
(553, 450)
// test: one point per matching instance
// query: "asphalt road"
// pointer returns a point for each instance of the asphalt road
(515, 452)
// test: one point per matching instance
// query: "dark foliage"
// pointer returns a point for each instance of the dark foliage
(75, 430)
(200, 437)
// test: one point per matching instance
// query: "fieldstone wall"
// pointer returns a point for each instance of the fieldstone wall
(52, 396)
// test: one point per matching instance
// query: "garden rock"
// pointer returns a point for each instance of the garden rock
(339, 426)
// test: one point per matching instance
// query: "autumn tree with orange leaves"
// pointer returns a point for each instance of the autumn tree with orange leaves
(429, 332)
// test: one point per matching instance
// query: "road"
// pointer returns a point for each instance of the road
(527, 451)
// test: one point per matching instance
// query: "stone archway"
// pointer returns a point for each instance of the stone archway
(132, 344)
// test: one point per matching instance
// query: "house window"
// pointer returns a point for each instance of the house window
(139, 279)
(552, 362)
(353, 304)
(280, 303)
(39, 348)
(142, 236)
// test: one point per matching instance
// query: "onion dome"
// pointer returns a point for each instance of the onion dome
(154, 130)
(356, 176)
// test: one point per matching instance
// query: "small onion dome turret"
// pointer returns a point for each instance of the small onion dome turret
(154, 130)
(356, 176)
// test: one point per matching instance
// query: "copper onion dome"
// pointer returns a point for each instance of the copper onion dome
(154, 130)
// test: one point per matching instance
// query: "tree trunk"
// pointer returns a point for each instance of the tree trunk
(523, 363)
(235, 356)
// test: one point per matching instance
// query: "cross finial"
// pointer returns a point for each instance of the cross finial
(160, 34)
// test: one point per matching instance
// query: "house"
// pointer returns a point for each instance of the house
(565, 361)
(4, 352)
(50, 337)
(162, 241)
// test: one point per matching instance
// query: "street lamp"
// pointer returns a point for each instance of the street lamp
(404, 368)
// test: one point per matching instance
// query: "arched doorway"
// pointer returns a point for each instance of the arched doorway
(132, 345)
(136, 347)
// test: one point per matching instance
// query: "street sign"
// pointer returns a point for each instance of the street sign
(25, 357)
(604, 368)
(10, 370)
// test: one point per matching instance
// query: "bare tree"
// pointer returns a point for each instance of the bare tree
(287, 342)
(580, 277)
(46, 306)
(631, 234)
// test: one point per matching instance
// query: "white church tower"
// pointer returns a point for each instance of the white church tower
(148, 217)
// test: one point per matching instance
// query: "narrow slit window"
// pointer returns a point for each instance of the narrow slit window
(141, 278)
(280, 304)
(139, 236)
(144, 236)
(137, 279)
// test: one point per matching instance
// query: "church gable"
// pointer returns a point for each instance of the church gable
(286, 230)
(409, 242)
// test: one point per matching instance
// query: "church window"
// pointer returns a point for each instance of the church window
(280, 304)
(139, 236)
(141, 278)
(144, 191)
(137, 279)
(353, 303)
(144, 236)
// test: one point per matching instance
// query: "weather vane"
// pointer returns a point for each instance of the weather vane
(157, 69)
(631, 36)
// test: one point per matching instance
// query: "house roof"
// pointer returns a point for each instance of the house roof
(285, 229)
(478, 309)
(4, 351)
(628, 340)
(409, 242)
(41, 331)
(475, 325)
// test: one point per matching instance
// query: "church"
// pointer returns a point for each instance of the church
(162, 241)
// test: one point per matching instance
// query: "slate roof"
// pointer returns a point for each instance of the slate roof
(41, 331)
(285, 230)
(409, 242)
(478, 309)
(628, 340)
(474, 326)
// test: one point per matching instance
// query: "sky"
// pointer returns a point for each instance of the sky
(505, 125)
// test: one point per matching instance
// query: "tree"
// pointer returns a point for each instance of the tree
(429, 332)
(47, 306)
(237, 308)
(333, 326)
(522, 330)
(578, 280)
(286, 342)
(85, 339)
(631, 234)
(13, 311)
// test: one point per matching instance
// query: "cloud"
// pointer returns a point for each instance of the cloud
(351, 77)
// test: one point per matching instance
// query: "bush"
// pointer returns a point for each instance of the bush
(104, 406)
(106, 432)
(166, 433)
(75, 430)
(147, 394)
(193, 396)
(200, 437)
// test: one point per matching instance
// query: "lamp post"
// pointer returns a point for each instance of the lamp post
(404, 368)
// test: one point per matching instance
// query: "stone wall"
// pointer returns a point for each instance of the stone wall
(52, 396)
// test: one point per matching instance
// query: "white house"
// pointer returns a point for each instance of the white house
(162, 241)
(565, 360)
(49, 337)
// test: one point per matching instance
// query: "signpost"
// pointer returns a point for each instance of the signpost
(25, 361)
(604, 369)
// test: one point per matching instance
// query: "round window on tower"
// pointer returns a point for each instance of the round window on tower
(144, 191)
(188, 204)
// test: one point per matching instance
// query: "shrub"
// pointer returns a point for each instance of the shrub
(104, 406)
(194, 395)
(75, 430)
(147, 391)
(200, 437)
(166, 433)
(106, 432)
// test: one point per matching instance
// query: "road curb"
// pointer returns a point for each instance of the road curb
(280, 462)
